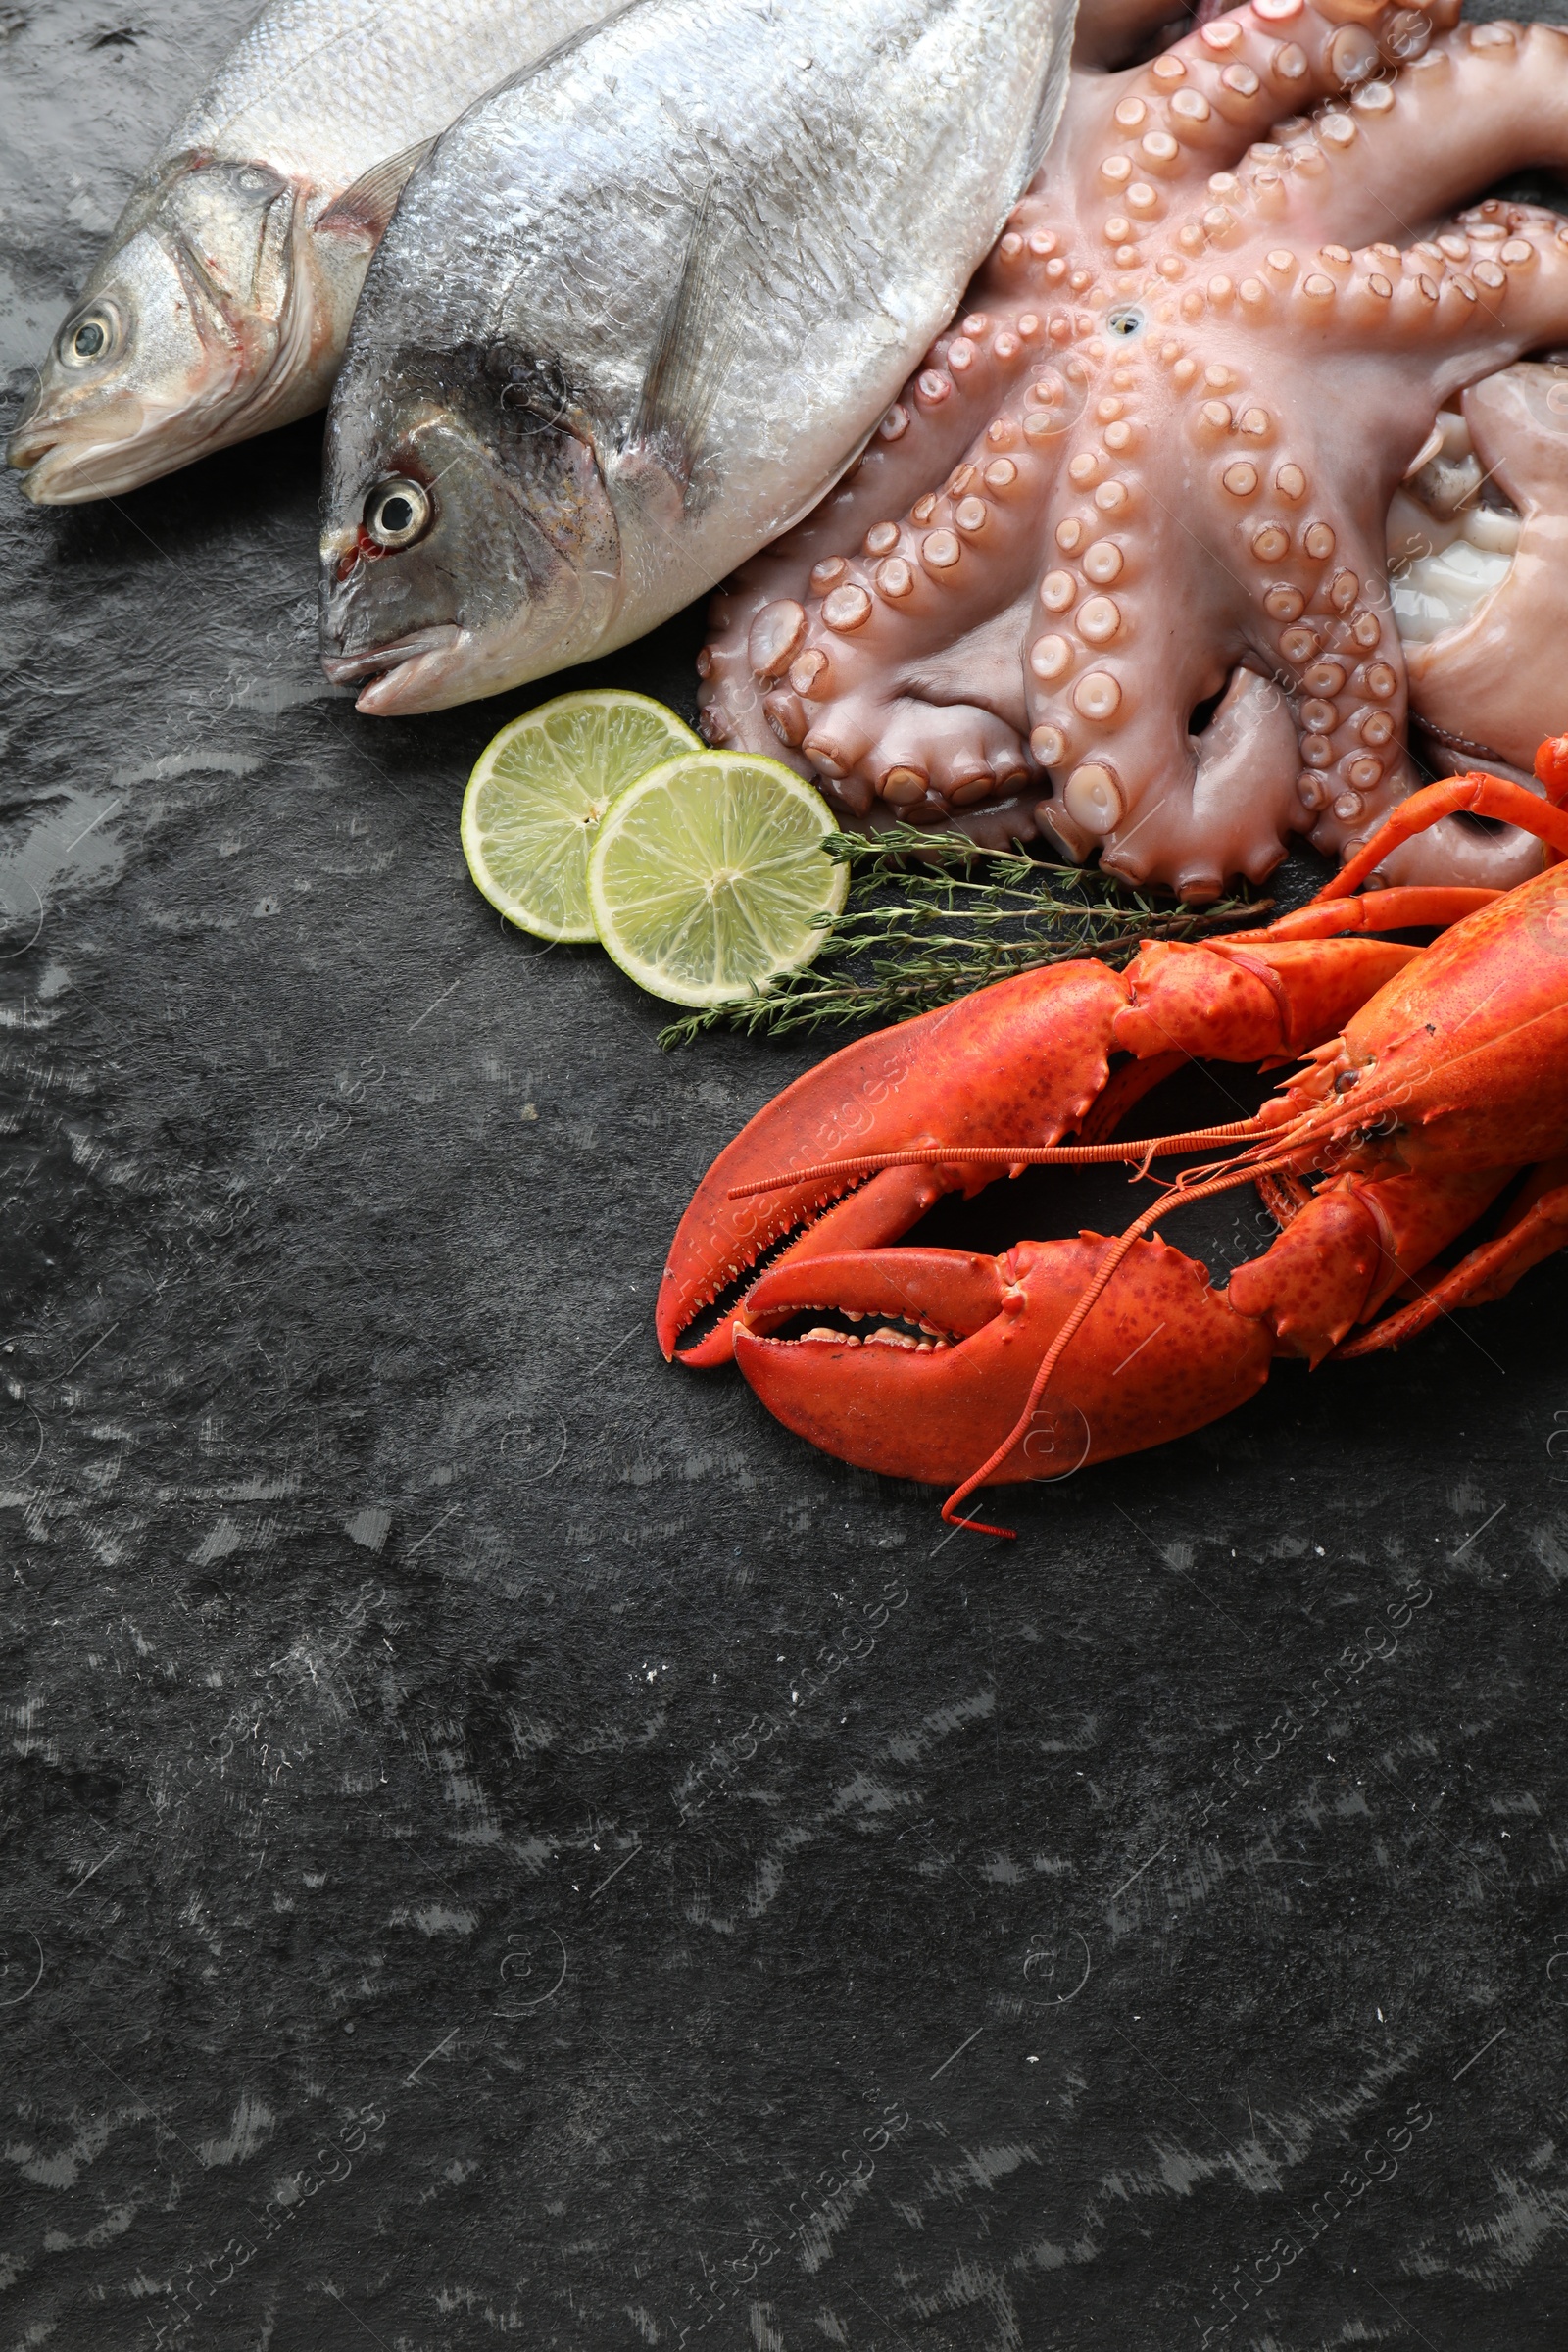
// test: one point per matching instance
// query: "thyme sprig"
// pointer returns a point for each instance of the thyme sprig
(931, 918)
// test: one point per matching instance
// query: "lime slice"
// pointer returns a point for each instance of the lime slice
(706, 876)
(537, 794)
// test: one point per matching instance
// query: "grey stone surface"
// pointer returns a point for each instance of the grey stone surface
(504, 1845)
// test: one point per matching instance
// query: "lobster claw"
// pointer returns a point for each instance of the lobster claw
(1022, 1063)
(934, 1393)
(1023, 1060)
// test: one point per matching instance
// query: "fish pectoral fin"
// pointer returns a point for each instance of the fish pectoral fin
(367, 203)
(641, 474)
(691, 354)
(1047, 114)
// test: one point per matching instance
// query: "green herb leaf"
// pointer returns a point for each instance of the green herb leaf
(929, 918)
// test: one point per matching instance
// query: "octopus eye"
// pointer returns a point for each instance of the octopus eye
(1128, 321)
(86, 339)
(398, 511)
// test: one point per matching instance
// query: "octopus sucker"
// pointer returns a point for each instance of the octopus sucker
(1115, 569)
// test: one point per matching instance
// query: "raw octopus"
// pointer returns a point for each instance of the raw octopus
(1143, 484)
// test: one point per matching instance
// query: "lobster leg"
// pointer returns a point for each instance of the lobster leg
(1352, 1244)
(1474, 794)
(1400, 910)
(1537, 1230)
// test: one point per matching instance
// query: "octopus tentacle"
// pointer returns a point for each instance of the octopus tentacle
(1230, 805)
(1243, 794)
(881, 614)
(1113, 667)
(745, 697)
(1347, 689)
(1220, 89)
(1402, 155)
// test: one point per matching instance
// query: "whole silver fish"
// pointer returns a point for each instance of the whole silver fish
(222, 300)
(642, 305)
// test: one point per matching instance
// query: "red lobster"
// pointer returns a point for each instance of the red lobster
(1433, 1076)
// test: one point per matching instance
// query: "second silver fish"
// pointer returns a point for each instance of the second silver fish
(639, 309)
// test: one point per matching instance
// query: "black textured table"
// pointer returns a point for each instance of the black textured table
(503, 1845)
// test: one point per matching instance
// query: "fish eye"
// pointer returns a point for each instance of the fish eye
(1128, 321)
(86, 339)
(398, 511)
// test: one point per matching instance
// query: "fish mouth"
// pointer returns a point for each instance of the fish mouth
(405, 675)
(70, 448)
(66, 461)
(59, 469)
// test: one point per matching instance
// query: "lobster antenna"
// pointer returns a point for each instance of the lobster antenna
(1012, 1155)
(1476, 795)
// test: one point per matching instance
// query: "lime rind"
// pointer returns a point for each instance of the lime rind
(539, 791)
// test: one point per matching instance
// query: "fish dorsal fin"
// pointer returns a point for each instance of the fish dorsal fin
(691, 353)
(367, 204)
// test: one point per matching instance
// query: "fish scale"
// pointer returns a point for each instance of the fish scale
(788, 204)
